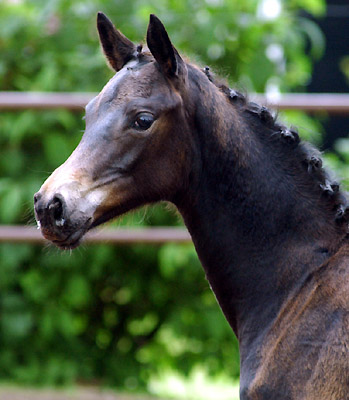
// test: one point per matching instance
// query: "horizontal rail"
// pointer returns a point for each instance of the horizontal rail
(44, 100)
(329, 102)
(334, 103)
(30, 234)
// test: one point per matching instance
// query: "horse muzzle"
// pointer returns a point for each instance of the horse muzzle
(61, 218)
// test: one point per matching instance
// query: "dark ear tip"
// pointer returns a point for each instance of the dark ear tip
(101, 16)
(153, 19)
(103, 19)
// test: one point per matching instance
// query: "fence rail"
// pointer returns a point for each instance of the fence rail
(329, 102)
(30, 234)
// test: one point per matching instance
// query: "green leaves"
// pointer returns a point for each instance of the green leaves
(77, 293)
(56, 148)
(16, 318)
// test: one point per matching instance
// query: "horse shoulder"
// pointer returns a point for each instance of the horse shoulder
(330, 374)
(305, 351)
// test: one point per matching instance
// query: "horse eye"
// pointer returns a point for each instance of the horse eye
(143, 121)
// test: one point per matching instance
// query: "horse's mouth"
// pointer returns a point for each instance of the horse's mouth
(70, 240)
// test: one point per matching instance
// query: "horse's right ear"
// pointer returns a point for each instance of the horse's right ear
(117, 48)
(162, 49)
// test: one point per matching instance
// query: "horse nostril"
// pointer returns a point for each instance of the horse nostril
(56, 210)
(38, 205)
(37, 197)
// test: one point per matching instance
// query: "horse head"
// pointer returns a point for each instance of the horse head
(133, 149)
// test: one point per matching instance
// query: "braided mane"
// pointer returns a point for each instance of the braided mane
(308, 155)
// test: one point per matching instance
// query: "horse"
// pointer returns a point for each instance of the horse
(268, 221)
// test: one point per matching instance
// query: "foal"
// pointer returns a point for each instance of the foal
(269, 224)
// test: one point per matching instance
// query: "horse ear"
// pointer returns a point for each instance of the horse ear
(117, 48)
(161, 47)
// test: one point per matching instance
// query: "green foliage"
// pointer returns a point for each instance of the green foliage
(339, 161)
(249, 41)
(119, 314)
(126, 313)
(344, 66)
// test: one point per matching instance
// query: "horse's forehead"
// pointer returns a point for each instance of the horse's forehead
(133, 80)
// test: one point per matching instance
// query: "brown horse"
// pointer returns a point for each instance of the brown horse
(269, 223)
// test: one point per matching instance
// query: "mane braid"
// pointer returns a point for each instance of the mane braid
(308, 155)
(139, 49)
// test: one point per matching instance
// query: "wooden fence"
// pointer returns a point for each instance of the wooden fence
(15, 101)
(329, 102)
(30, 234)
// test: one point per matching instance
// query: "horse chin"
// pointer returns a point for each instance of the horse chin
(71, 242)
(71, 238)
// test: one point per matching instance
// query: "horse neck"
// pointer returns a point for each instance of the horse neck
(257, 235)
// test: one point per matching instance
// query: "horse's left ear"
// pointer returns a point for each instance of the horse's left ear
(162, 49)
(117, 47)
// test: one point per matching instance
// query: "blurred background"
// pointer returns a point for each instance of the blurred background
(141, 317)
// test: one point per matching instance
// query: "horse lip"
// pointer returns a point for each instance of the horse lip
(73, 239)
(68, 244)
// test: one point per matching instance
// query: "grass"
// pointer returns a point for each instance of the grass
(197, 386)
(169, 385)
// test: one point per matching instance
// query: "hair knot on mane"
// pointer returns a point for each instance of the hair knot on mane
(234, 95)
(139, 52)
(290, 136)
(311, 158)
(208, 74)
(262, 113)
(315, 162)
(342, 213)
(308, 155)
(329, 188)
